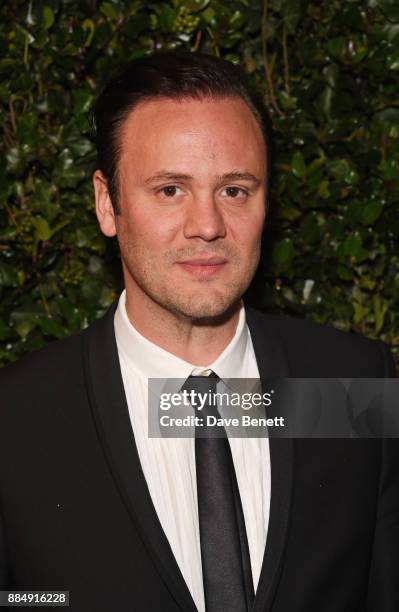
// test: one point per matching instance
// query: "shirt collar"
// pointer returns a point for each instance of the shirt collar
(152, 361)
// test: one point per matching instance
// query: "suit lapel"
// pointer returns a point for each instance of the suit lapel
(273, 363)
(110, 412)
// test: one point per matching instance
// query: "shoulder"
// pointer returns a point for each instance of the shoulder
(50, 371)
(314, 350)
(57, 363)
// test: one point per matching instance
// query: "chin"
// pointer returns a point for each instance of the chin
(202, 308)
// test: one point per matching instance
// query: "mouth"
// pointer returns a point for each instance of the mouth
(203, 267)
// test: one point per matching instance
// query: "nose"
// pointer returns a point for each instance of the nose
(204, 219)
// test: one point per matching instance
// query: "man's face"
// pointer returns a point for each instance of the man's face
(192, 204)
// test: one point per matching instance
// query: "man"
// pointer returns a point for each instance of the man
(88, 501)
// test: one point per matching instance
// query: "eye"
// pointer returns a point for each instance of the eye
(170, 191)
(235, 192)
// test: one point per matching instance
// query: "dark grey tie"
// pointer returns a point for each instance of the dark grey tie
(226, 565)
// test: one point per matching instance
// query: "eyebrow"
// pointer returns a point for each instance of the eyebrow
(228, 176)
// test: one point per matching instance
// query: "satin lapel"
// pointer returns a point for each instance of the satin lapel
(273, 363)
(110, 412)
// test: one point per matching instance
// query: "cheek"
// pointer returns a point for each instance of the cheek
(256, 229)
(148, 232)
(249, 234)
(246, 226)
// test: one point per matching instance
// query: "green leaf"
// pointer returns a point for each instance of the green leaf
(7, 64)
(352, 245)
(108, 10)
(290, 213)
(59, 226)
(315, 165)
(323, 190)
(8, 275)
(353, 248)
(24, 327)
(51, 326)
(371, 212)
(380, 308)
(298, 165)
(5, 330)
(69, 311)
(89, 27)
(287, 102)
(311, 231)
(83, 99)
(360, 312)
(390, 169)
(48, 17)
(344, 273)
(291, 12)
(337, 47)
(283, 251)
(339, 169)
(43, 231)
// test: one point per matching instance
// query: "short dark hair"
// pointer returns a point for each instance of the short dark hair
(175, 75)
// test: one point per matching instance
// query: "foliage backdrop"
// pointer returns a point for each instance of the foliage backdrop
(328, 71)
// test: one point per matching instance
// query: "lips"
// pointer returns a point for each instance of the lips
(203, 267)
(204, 261)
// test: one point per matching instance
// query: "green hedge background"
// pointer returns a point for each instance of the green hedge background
(329, 73)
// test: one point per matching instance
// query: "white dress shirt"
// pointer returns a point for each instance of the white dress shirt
(169, 463)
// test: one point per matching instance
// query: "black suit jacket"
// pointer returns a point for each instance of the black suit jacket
(76, 514)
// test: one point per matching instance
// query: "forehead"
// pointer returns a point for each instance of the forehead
(192, 132)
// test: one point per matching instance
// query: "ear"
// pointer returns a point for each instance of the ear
(104, 209)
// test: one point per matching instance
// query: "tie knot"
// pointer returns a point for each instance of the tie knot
(205, 374)
(201, 383)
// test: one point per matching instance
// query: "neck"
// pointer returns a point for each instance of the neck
(198, 341)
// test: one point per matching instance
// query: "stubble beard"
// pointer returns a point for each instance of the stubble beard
(207, 300)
